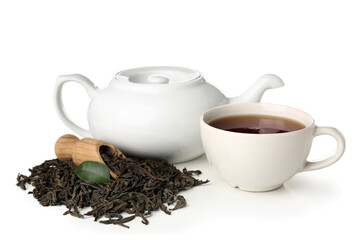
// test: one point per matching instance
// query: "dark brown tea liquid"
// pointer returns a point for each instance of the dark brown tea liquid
(256, 124)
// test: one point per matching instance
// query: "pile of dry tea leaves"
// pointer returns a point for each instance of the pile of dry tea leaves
(143, 185)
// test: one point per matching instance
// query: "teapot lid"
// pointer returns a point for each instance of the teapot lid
(158, 75)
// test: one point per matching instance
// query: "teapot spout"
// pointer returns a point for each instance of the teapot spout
(256, 91)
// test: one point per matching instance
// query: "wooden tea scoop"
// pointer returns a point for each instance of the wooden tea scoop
(69, 147)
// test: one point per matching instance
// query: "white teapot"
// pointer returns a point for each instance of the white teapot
(153, 112)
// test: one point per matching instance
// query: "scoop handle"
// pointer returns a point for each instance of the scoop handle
(59, 106)
(64, 147)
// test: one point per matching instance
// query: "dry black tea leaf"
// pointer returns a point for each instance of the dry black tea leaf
(143, 186)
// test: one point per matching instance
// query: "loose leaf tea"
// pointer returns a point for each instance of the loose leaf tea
(143, 186)
(92, 171)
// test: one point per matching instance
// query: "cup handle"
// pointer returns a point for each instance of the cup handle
(90, 89)
(340, 140)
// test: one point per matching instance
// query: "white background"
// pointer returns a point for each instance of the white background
(314, 46)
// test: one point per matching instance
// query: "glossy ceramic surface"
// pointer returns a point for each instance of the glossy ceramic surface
(263, 162)
(153, 111)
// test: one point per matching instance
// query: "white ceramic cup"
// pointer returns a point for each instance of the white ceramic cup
(263, 162)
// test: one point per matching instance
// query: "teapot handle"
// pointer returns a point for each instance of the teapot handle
(90, 89)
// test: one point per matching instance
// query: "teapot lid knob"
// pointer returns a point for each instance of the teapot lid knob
(121, 78)
(157, 79)
(161, 75)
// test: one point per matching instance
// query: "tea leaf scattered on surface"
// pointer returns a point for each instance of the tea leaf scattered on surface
(143, 186)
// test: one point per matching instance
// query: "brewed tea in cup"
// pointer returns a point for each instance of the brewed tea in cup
(256, 124)
(258, 147)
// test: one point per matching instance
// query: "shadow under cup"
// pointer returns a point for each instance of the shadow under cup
(263, 162)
